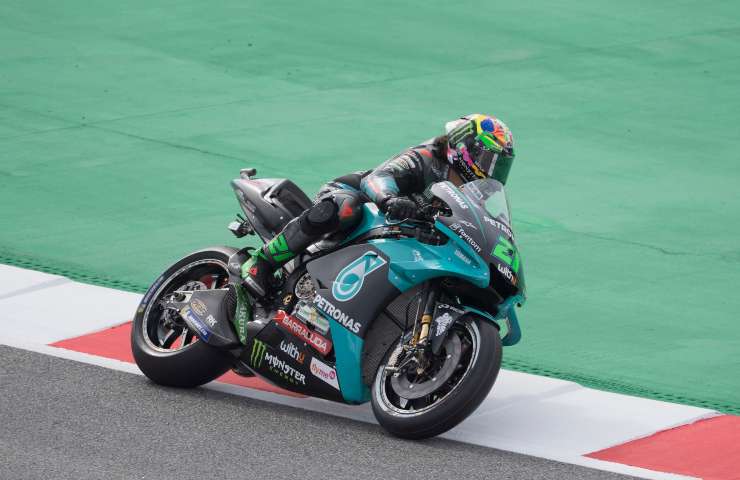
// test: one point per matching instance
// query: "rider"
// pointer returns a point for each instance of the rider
(475, 146)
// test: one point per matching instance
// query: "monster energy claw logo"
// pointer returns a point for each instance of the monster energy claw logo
(258, 353)
(350, 280)
(459, 133)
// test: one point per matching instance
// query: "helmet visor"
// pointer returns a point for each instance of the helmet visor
(501, 168)
(493, 161)
(487, 161)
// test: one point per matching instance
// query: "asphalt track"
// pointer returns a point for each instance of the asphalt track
(63, 419)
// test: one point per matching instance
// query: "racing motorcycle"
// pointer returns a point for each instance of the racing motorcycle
(410, 315)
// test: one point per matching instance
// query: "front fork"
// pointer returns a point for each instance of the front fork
(423, 322)
(414, 353)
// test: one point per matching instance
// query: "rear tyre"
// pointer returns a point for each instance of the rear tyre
(163, 347)
(478, 353)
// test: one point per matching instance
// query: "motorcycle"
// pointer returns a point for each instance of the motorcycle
(410, 315)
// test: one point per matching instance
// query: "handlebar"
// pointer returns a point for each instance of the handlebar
(424, 216)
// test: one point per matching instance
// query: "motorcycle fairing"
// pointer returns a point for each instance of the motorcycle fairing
(413, 262)
(348, 353)
(350, 318)
(491, 238)
(506, 317)
(264, 355)
(355, 310)
(407, 262)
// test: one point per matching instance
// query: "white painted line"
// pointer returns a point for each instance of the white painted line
(14, 279)
(34, 288)
(568, 418)
(64, 311)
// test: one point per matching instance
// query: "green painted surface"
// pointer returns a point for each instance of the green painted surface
(121, 124)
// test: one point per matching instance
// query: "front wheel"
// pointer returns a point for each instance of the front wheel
(163, 346)
(420, 399)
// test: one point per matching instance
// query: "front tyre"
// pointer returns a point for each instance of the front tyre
(418, 403)
(163, 346)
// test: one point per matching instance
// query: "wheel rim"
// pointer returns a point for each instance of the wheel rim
(386, 388)
(162, 328)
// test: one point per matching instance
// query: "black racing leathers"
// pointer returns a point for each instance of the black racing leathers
(409, 173)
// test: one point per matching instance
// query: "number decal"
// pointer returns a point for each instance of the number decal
(506, 252)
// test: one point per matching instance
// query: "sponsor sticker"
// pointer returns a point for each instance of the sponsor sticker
(196, 322)
(350, 279)
(459, 254)
(328, 308)
(301, 331)
(324, 372)
(506, 272)
(468, 224)
(281, 367)
(455, 196)
(149, 293)
(457, 228)
(242, 314)
(442, 322)
(388, 231)
(262, 357)
(258, 353)
(198, 307)
(499, 225)
(447, 306)
(292, 351)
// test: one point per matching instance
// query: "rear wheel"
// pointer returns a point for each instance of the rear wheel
(163, 346)
(418, 400)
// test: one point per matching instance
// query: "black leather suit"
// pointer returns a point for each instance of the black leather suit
(338, 205)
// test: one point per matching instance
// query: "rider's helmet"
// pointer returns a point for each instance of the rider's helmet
(480, 146)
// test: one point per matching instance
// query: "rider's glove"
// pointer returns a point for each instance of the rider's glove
(399, 208)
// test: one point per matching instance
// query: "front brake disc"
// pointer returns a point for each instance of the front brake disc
(405, 388)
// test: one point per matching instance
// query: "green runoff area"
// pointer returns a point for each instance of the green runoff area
(122, 123)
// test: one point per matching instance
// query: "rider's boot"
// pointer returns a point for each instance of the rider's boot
(298, 234)
(260, 267)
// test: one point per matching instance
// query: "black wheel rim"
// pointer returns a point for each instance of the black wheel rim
(387, 394)
(162, 328)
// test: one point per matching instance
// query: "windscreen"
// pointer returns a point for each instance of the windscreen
(480, 216)
(491, 195)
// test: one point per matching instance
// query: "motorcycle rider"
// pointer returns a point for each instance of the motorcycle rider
(474, 146)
